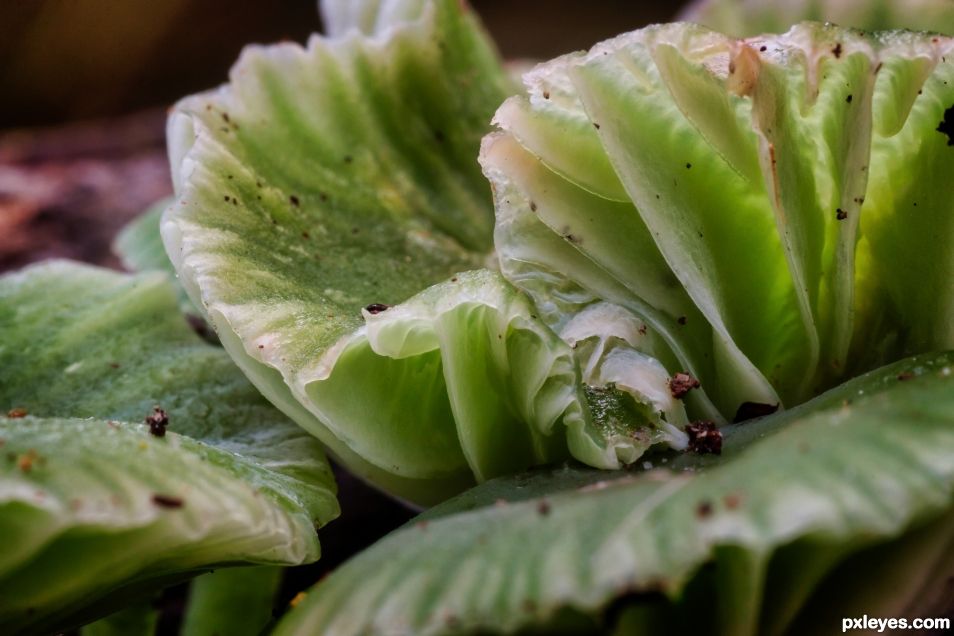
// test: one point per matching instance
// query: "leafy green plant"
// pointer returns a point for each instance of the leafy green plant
(97, 507)
(688, 242)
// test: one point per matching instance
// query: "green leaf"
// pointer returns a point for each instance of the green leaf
(140, 249)
(316, 264)
(800, 520)
(751, 242)
(746, 18)
(95, 508)
(139, 245)
(235, 601)
(139, 619)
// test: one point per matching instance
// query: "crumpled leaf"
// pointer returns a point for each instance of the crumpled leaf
(856, 486)
(315, 263)
(94, 507)
(749, 201)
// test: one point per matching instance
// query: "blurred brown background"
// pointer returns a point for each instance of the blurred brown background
(70, 59)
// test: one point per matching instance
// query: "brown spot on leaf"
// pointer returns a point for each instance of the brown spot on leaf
(732, 501)
(906, 375)
(294, 200)
(681, 320)
(704, 509)
(26, 461)
(840, 214)
(17, 413)
(543, 508)
(837, 50)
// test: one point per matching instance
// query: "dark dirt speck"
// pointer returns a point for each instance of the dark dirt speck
(704, 438)
(158, 420)
(166, 501)
(376, 308)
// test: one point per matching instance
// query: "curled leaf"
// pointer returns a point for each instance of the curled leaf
(792, 528)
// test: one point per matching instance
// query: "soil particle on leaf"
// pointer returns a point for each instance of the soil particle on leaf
(543, 508)
(837, 51)
(750, 410)
(293, 200)
(376, 308)
(681, 320)
(840, 214)
(946, 126)
(167, 501)
(907, 375)
(681, 383)
(848, 99)
(704, 438)
(158, 420)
